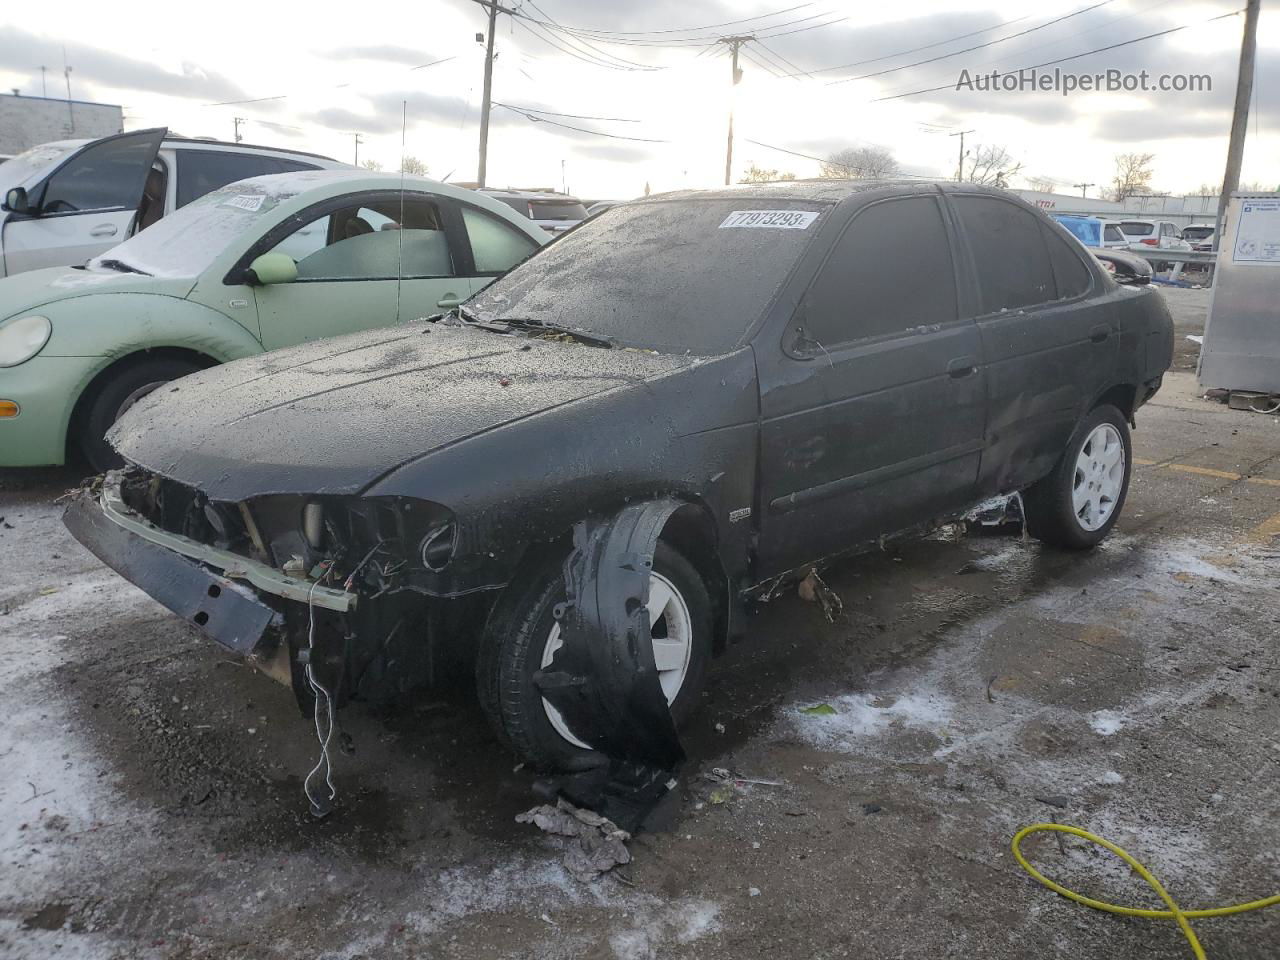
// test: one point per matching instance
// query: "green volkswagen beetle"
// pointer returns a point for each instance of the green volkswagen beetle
(259, 264)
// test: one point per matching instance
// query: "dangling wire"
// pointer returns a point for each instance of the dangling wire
(319, 807)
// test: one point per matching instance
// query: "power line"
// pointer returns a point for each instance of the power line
(542, 34)
(761, 64)
(612, 136)
(980, 46)
(589, 46)
(681, 42)
(570, 116)
(927, 46)
(783, 60)
(807, 156)
(709, 26)
(1077, 56)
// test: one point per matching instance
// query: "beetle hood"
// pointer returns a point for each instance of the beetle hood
(335, 415)
(29, 291)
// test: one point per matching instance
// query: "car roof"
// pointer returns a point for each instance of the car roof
(305, 187)
(530, 195)
(188, 143)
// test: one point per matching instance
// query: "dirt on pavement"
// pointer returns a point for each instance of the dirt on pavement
(152, 803)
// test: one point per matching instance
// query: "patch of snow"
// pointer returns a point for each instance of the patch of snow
(1107, 722)
(866, 715)
(1111, 777)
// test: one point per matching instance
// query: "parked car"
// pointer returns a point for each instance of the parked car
(1093, 231)
(1153, 233)
(253, 266)
(1199, 235)
(553, 212)
(67, 201)
(583, 472)
(600, 206)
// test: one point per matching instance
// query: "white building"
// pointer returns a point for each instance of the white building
(1181, 210)
(28, 121)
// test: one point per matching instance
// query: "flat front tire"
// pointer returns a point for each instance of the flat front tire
(522, 635)
(1080, 501)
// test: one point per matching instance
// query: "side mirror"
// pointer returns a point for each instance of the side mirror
(273, 268)
(15, 201)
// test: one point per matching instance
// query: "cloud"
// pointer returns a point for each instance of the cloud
(103, 68)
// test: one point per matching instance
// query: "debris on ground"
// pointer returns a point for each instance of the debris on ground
(813, 589)
(596, 844)
(820, 710)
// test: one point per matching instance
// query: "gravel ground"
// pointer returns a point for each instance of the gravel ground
(151, 803)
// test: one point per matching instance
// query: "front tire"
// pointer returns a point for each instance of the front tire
(115, 397)
(522, 633)
(1080, 501)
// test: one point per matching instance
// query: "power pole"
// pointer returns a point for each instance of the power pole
(44, 86)
(359, 140)
(493, 8)
(238, 121)
(960, 165)
(1084, 188)
(71, 114)
(734, 44)
(1239, 119)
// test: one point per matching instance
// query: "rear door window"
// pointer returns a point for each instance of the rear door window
(496, 246)
(873, 283)
(202, 171)
(1072, 276)
(1112, 232)
(1009, 253)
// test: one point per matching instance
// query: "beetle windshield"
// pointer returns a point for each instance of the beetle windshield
(676, 276)
(187, 241)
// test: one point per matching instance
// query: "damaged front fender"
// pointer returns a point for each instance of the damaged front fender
(603, 679)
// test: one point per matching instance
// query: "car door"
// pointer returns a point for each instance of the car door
(873, 405)
(85, 206)
(1049, 342)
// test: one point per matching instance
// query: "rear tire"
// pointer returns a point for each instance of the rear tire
(516, 637)
(1077, 504)
(117, 395)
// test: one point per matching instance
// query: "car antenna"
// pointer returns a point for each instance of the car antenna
(404, 116)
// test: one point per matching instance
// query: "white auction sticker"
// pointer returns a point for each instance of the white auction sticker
(776, 219)
(245, 201)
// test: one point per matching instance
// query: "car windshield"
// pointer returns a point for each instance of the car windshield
(187, 241)
(18, 170)
(1137, 228)
(1196, 233)
(557, 210)
(676, 276)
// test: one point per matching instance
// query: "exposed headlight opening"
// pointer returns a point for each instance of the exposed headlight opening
(22, 339)
(313, 524)
(437, 546)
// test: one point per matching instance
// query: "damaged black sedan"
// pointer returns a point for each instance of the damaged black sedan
(584, 474)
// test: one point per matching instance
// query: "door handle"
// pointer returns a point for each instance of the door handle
(962, 367)
(104, 230)
(449, 300)
(1099, 333)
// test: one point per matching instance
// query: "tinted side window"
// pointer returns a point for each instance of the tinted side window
(890, 271)
(496, 246)
(108, 176)
(1073, 277)
(1112, 232)
(202, 171)
(1009, 253)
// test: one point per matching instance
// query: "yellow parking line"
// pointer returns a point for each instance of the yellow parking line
(1143, 462)
(1265, 531)
(1204, 471)
(1266, 481)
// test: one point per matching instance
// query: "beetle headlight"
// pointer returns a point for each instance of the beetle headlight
(22, 339)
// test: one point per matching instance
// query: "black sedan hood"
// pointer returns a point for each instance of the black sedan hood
(335, 415)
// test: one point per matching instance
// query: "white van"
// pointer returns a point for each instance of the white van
(68, 201)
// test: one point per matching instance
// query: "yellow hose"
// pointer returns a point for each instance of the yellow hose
(1174, 912)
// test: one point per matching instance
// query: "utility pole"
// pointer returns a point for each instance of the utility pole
(44, 86)
(238, 121)
(960, 165)
(493, 8)
(359, 140)
(735, 43)
(1240, 118)
(1084, 188)
(71, 114)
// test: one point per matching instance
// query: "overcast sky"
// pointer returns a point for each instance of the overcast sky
(340, 69)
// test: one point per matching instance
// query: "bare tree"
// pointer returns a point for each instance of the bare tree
(1133, 175)
(756, 174)
(993, 166)
(371, 164)
(413, 166)
(1043, 184)
(860, 163)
